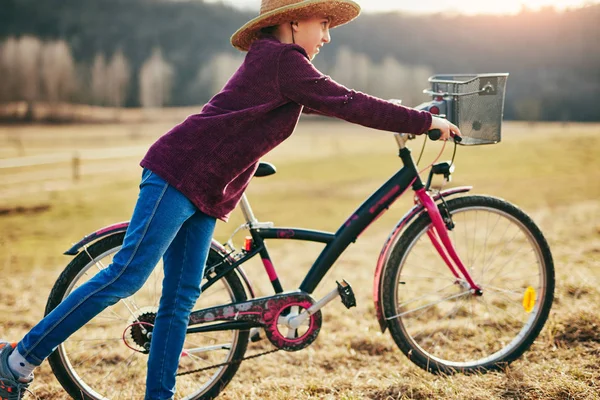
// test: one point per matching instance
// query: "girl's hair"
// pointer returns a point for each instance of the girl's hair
(269, 30)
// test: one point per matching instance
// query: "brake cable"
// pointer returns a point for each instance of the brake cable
(453, 154)
(422, 150)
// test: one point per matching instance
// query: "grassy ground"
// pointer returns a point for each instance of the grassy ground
(325, 171)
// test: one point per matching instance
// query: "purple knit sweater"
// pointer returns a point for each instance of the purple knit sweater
(212, 156)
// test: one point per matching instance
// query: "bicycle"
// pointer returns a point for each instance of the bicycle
(464, 284)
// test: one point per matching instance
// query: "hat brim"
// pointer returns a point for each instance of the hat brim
(339, 11)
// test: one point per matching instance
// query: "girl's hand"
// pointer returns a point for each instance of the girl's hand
(445, 126)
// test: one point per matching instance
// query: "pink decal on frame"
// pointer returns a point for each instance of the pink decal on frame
(270, 269)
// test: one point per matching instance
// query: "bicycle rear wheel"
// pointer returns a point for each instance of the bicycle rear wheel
(433, 317)
(98, 362)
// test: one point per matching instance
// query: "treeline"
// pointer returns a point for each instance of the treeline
(36, 71)
(552, 56)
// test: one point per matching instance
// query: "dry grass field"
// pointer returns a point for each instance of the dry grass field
(325, 170)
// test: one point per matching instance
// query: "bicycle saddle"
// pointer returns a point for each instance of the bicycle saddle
(265, 169)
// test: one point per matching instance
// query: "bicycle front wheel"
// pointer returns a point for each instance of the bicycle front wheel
(107, 357)
(434, 318)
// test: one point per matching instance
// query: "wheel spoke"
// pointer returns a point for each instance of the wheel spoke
(504, 265)
(95, 340)
(425, 295)
(501, 249)
(453, 311)
(116, 318)
(447, 278)
(500, 290)
(198, 350)
(520, 278)
(468, 292)
(100, 350)
(511, 315)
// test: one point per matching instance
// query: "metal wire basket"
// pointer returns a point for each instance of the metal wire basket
(475, 103)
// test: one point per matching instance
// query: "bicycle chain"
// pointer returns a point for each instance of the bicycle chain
(228, 363)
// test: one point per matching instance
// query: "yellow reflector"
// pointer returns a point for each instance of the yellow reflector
(529, 299)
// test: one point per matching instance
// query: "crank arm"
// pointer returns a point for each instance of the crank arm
(343, 290)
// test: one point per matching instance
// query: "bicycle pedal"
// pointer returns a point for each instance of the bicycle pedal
(346, 294)
(255, 335)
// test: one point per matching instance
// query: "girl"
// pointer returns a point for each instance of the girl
(197, 172)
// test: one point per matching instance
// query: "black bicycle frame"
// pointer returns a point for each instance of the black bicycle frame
(336, 243)
(368, 212)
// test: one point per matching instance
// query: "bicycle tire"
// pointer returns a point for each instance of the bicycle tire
(443, 331)
(76, 378)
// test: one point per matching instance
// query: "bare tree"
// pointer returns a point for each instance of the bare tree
(9, 70)
(352, 69)
(416, 84)
(529, 109)
(214, 75)
(28, 58)
(361, 71)
(156, 78)
(342, 70)
(389, 79)
(98, 80)
(118, 73)
(224, 66)
(58, 71)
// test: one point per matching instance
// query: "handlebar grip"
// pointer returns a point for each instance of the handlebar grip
(436, 134)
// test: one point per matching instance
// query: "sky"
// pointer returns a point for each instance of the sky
(428, 6)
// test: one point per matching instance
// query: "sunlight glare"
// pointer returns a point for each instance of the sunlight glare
(439, 6)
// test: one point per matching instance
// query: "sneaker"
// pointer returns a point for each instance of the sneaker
(11, 388)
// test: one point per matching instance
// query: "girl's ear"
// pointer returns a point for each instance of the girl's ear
(294, 25)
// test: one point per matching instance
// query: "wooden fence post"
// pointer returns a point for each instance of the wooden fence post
(76, 166)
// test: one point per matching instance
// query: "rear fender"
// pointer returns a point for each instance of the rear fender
(389, 245)
(122, 227)
(100, 233)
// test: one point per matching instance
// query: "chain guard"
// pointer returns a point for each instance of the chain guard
(268, 312)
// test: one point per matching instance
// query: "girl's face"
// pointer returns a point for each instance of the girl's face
(312, 34)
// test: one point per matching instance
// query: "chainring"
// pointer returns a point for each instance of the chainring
(269, 313)
(289, 339)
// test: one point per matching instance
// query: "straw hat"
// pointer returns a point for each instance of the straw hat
(275, 12)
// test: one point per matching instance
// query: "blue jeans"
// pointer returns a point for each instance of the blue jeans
(164, 224)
